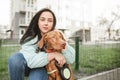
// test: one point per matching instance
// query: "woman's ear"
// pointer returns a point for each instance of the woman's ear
(41, 42)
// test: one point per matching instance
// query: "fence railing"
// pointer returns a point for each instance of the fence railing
(93, 58)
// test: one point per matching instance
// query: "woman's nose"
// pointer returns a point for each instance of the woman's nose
(46, 22)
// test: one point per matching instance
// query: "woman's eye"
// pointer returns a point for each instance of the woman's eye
(50, 20)
(42, 19)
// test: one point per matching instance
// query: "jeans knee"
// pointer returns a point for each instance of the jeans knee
(12, 61)
(15, 60)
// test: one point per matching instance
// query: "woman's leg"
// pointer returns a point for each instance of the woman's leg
(38, 74)
(16, 66)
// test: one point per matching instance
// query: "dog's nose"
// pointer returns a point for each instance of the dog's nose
(64, 44)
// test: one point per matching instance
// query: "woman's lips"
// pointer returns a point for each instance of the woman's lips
(45, 28)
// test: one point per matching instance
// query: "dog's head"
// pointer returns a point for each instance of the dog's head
(53, 40)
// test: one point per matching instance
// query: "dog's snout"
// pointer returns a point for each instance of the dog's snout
(63, 43)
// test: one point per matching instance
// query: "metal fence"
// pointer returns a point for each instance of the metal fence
(94, 57)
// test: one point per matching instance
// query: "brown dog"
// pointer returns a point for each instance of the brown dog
(53, 41)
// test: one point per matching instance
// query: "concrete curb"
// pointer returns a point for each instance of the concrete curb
(107, 75)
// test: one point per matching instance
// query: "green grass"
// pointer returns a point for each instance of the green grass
(95, 59)
(92, 59)
(5, 52)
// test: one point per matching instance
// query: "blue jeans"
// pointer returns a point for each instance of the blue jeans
(18, 69)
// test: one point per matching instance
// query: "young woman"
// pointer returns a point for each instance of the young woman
(29, 63)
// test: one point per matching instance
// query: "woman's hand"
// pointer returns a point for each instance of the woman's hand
(58, 57)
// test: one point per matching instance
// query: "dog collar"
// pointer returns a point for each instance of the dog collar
(49, 50)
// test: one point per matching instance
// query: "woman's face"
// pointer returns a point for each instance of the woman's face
(45, 22)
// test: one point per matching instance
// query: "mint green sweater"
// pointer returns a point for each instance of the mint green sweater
(35, 60)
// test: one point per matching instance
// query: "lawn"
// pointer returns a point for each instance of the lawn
(5, 52)
(92, 58)
(97, 58)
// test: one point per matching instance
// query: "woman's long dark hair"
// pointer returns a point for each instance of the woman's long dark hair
(33, 28)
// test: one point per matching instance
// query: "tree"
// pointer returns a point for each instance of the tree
(109, 22)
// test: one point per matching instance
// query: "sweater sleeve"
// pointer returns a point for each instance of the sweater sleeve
(34, 60)
(69, 54)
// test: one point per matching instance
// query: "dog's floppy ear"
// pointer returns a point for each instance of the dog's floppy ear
(42, 41)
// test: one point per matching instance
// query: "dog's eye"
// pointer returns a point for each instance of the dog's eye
(53, 36)
(60, 36)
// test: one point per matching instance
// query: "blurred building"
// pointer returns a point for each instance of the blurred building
(3, 32)
(74, 18)
(21, 13)
(23, 10)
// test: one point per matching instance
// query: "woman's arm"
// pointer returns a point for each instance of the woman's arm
(34, 60)
(69, 54)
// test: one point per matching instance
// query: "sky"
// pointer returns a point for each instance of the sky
(100, 7)
(4, 12)
(103, 7)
